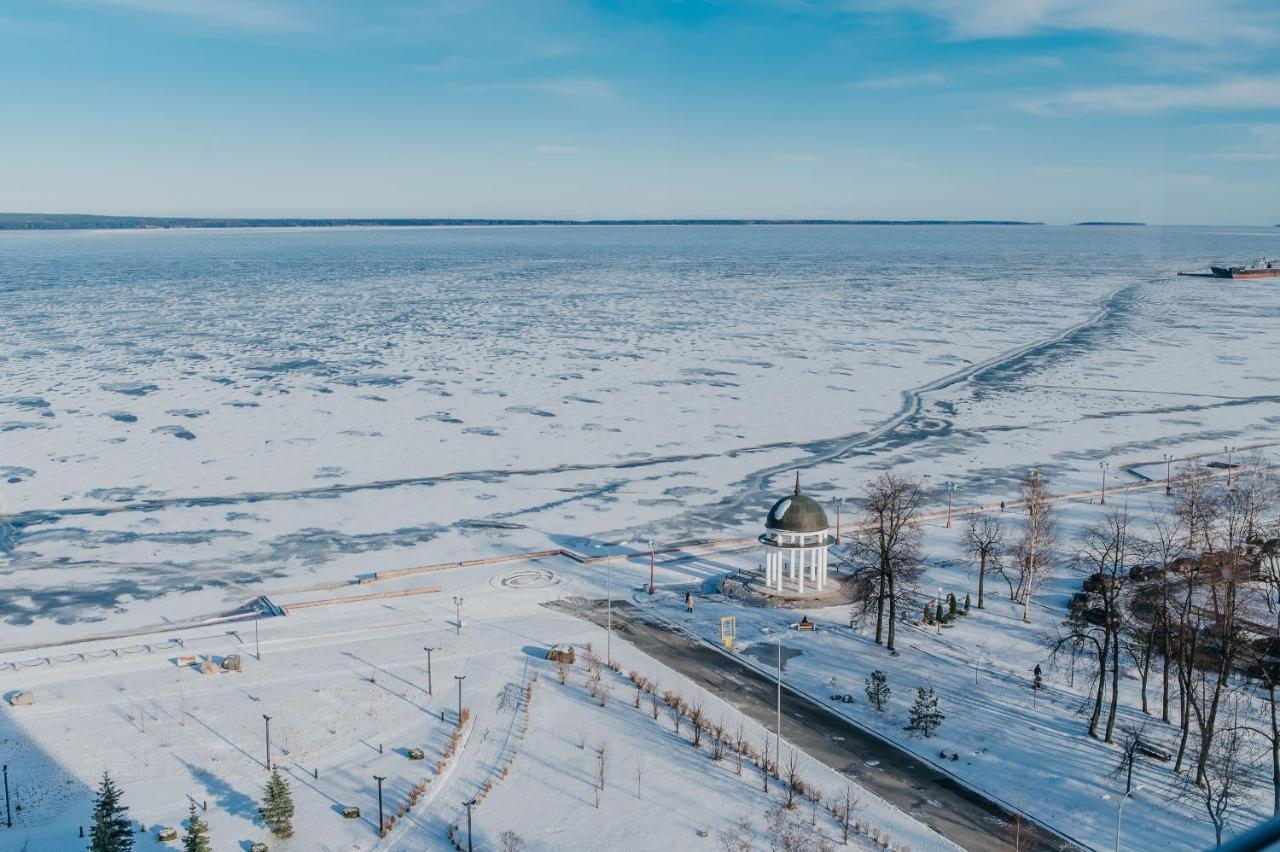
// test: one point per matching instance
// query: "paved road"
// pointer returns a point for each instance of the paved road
(953, 810)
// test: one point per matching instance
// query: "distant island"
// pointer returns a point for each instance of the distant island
(80, 221)
(1129, 224)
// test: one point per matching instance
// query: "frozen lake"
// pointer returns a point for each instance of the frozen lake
(189, 418)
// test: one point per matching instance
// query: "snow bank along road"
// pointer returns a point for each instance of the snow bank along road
(955, 811)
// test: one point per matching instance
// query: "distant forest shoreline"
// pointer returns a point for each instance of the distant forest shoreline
(78, 221)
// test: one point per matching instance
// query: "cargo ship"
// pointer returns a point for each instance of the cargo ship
(1260, 269)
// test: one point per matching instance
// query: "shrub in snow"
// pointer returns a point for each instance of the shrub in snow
(111, 830)
(925, 717)
(878, 690)
(277, 806)
(197, 837)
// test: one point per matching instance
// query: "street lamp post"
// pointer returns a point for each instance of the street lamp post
(257, 648)
(651, 558)
(459, 679)
(839, 506)
(469, 805)
(8, 812)
(429, 650)
(457, 605)
(938, 615)
(381, 821)
(1120, 809)
(608, 630)
(951, 489)
(267, 719)
(1229, 451)
(1102, 466)
(1168, 473)
(777, 746)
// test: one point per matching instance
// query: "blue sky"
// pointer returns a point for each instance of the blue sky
(1055, 110)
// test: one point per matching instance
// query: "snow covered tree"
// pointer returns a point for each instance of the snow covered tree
(277, 806)
(111, 830)
(1038, 542)
(878, 690)
(197, 837)
(925, 716)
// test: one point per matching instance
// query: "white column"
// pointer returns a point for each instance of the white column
(777, 574)
(800, 555)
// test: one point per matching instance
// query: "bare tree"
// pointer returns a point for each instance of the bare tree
(793, 777)
(737, 838)
(676, 709)
(984, 540)
(884, 553)
(765, 767)
(1227, 575)
(843, 809)
(698, 721)
(1038, 540)
(602, 763)
(1224, 781)
(1193, 504)
(1107, 552)
(1165, 543)
(717, 740)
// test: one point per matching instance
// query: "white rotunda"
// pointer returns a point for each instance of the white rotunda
(796, 537)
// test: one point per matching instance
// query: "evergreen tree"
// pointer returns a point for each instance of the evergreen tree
(197, 837)
(277, 806)
(951, 606)
(939, 613)
(966, 603)
(928, 614)
(925, 716)
(111, 830)
(878, 690)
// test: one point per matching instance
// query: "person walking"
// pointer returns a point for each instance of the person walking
(688, 601)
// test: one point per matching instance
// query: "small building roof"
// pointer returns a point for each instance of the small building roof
(797, 513)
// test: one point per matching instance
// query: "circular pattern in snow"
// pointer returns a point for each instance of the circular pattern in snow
(527, 578)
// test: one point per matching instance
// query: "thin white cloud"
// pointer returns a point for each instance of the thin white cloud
(1242, 93)
(232, 14)
(446, 65)
(1194, 21)
(906, 81)
(574, 89)
(1262, 144)
(560, 150)
(1061, 171)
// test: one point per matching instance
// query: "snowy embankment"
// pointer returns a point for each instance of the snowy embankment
(346, 688)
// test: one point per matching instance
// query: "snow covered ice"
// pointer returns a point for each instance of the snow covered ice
(189, 420)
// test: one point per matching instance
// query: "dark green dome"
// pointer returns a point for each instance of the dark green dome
(797, 513)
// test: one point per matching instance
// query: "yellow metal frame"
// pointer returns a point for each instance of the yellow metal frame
(728, 630)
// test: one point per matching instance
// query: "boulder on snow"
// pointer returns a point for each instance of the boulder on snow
(167, 833)
(209, 666)
(257, 847)
(417, 754)
(561, 654)
(231, 663)
(22, 698)
(351, 812)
